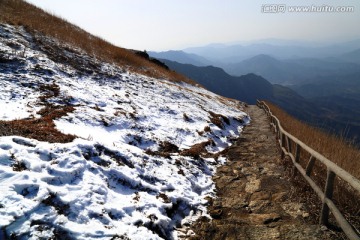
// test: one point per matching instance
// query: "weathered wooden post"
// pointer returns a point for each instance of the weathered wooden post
(282, 145)
(310, 166)
(329, 188)
(289, 144)
(297, 153)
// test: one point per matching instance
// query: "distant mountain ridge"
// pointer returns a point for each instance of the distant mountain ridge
(353, 56)
(245, 88)
(293, 49)
(277, 71)
(336, 85)
(324, 80)
(181, 57)
(290, 72)
(333, 106)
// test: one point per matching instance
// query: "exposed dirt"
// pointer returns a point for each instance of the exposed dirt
(253, 193)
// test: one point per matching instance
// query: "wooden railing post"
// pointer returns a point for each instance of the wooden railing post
(297, 153)
(282, 145)
(289, 144)
(297, 160)
(310, 166)
(284, 138)
(329, 188)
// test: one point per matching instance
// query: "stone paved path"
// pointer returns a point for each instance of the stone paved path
(252, 194)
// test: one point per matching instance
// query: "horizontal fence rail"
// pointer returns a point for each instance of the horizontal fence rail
(285, 140)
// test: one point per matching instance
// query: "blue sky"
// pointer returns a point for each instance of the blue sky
(177, 24)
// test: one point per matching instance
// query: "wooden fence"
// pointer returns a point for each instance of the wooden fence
(285, 141)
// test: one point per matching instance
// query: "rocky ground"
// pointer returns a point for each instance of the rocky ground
(253, 193)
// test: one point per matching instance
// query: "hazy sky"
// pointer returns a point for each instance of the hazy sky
(177, 24)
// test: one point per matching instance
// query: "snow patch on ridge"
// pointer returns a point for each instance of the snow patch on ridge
(105, 183)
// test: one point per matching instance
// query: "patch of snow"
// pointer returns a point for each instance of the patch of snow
(105, 183)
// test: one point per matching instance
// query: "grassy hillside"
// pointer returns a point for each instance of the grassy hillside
(84, 142)
(37, 21)
(333, 147)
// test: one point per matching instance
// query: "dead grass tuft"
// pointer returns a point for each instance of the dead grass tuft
(197, 150)
(54, 201)
(51, 90)
(207, 129)
(168, 147)
(218, 119)
(165, 150)
(19, 166)
(164, 197)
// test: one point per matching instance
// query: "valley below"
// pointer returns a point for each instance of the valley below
(323, 92)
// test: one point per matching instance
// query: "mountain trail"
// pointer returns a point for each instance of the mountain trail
(253, 193)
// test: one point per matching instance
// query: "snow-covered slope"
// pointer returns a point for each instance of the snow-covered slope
(129, 172)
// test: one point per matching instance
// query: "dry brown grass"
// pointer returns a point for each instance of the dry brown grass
(207, 129)
(336, 149)
(43, 128)
(197, 150)
(35, 20)
(166, 149)
(218, 119)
